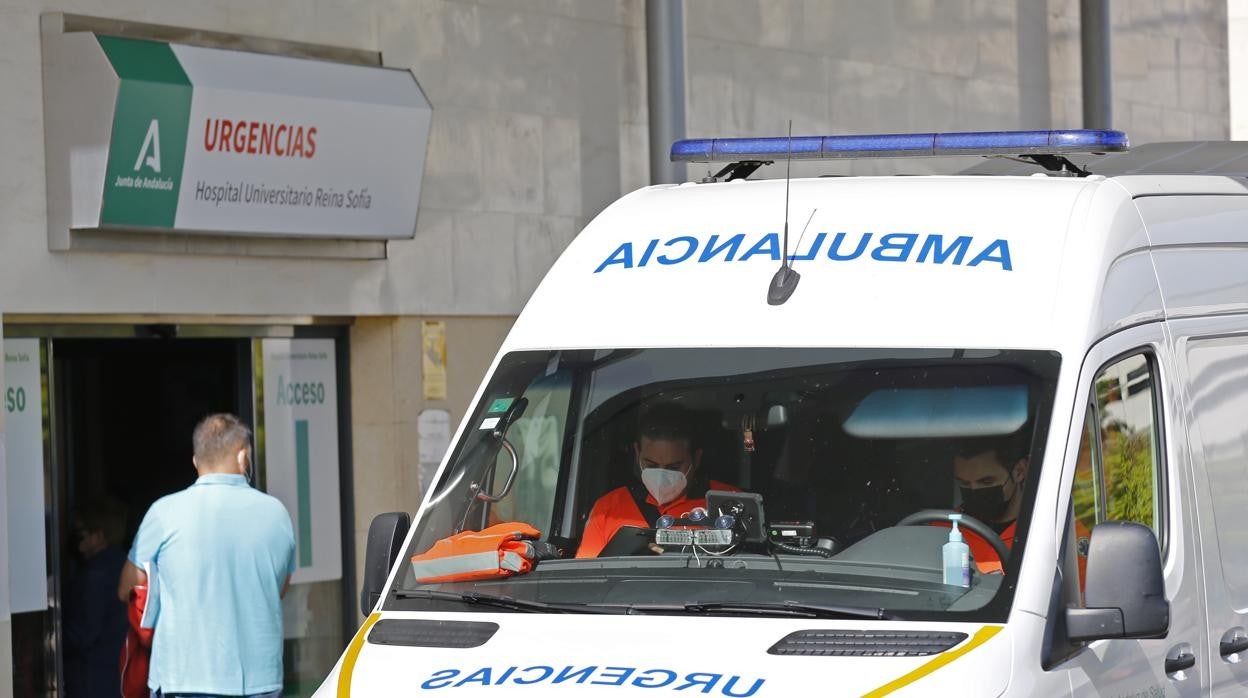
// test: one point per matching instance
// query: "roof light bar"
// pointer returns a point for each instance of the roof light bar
(895, 145)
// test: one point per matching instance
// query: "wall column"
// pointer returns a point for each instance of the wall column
(387, 399)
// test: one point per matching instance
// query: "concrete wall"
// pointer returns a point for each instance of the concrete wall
(1170, 68)
(530, 106)
(387, 399)
(540, 120)
(948, 65)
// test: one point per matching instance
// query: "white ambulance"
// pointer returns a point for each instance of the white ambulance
(1057, 354)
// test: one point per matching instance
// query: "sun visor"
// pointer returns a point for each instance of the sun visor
(148, 136)
(939, 413)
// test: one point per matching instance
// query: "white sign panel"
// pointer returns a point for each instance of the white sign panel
(301, 449)
(23, 450)
(284, 145)
(207, 140)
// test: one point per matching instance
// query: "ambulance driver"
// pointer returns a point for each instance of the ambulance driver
(668, 460)
(990, 475)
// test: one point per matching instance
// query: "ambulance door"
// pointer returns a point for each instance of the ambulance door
(1215, 362)
(1130, 468)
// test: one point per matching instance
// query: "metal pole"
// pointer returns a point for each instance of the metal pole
(1094, 46)
(665, 73)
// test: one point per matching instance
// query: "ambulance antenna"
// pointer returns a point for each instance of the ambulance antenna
(785, 279)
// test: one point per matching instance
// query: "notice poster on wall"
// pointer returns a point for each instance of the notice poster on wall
(23, 492)
(301, 449)
(433, 359)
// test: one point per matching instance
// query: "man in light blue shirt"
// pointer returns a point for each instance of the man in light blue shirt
(222, 554)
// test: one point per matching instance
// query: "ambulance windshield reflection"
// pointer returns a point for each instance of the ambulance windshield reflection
(788, 480)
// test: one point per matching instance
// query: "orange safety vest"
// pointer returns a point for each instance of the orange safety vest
(498, 551)
(616, 509)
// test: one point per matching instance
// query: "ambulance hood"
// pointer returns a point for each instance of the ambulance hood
(920, 261)
(593, 655)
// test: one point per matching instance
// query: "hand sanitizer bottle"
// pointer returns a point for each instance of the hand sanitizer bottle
(957, 556)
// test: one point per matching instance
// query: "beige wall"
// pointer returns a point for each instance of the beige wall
(845, 66)
(387, 398)
(529, 100)
(1170, 64)
(540, 120)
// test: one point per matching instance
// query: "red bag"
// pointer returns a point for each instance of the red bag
(136, 652)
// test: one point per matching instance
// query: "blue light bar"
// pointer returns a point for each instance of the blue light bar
(896, 145)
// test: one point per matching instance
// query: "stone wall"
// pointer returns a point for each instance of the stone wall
(839, 66)
(540, 121)
(387, 399)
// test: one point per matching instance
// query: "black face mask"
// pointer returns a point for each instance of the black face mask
(987, 504)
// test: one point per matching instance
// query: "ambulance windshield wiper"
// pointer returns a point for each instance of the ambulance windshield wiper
(768, 608)
(507, 602)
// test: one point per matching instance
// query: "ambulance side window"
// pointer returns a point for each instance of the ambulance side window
(1118, 475)
(1086, 492)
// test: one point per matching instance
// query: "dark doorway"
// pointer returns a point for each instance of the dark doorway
(129, 406)
(124, 410)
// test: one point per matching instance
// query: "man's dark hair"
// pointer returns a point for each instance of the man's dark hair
(667, 421)
(219, 436)
(106, 515)
(1009, 449)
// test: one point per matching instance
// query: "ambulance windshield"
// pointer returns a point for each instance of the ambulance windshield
(831, 476)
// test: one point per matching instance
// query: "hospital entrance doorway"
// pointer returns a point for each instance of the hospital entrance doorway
(126, 410)
(118, 418)
(123, 411)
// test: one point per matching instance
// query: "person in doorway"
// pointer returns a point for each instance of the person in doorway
(670, 481)
(990, 474)
(94, 620)
(222, 554)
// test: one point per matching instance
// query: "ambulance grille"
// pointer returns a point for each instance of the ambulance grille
(431, 633)
(865, 643)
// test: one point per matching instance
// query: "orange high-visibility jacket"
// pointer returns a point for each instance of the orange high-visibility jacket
(616, 509)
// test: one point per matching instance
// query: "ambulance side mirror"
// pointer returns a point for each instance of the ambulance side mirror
(385, 540)
(1125, 592)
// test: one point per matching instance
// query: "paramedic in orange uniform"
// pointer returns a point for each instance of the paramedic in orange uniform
(990, 475)
(668, 461)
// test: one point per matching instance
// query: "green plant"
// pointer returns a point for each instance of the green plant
(1129, 476)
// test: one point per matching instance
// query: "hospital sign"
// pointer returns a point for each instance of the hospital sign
(207, 140)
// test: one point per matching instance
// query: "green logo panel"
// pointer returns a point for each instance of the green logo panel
(148, 144)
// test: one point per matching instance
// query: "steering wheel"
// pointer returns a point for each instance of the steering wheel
(970, 523)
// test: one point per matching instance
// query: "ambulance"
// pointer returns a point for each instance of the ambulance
(1050, 347)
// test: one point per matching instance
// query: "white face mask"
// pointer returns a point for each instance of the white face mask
(663, 484)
